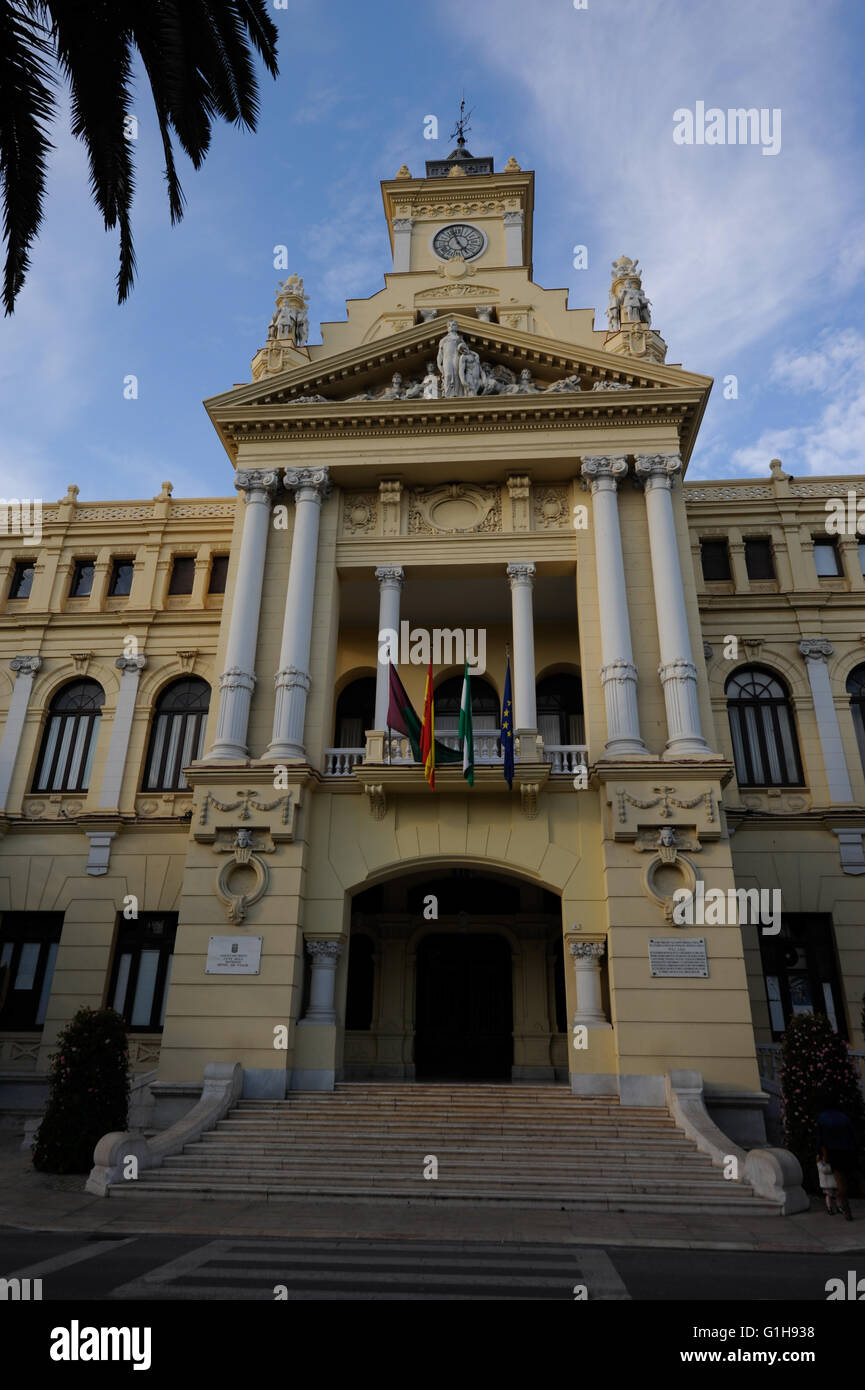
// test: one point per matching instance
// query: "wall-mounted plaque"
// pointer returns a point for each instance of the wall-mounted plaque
(234, 955)
(678, 956)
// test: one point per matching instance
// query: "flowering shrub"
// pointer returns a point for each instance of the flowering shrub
(88, 1094)
(817, 1072)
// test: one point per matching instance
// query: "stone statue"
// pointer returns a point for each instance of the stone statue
(290, 321)
(394, 391)
(567, 383)
(413, 391)
(451, 349)
(636, 304)
(430, 383)
(614, 313)
(470, 372)
(525, 386)
(497, 380)
(485, 313)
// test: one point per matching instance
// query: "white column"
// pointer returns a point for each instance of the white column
(25, 668)
(522, 579)
(587, 956)
(311, 486)
(618, 672)
(237, 681)
(402, 243)
(391, 579)
(816, 652)
(677, 670)
(112, 778)
(324, 959)
(513, 238)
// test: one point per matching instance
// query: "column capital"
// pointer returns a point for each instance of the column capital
(25, 665)
(521, 572)
(314, 481)
(816, 649)
(257, 480)
(658, 470)
(131, 663)
(390, 576)
(513, 219)
(678, 670)
(287, 677)
(402, 224)
(237, 679)
(598, 469)
(324, 950)
(587, 950)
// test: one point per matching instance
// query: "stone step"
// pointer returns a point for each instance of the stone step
(475, 1161)
(563, 1153)
(422, 1132)
(210, 1188)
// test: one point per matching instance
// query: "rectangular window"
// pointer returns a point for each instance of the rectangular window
(82, 579)
(218, 574)
(28, 950)
(759, 561)
(826, 558)
(715, 558)
(121, 578)
(182, 574)
(141, 971)
(22, 579)
(801, 971)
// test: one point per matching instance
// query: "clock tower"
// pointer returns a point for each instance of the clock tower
(462, 218)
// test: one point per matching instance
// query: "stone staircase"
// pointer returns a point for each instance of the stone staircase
(531, 1146)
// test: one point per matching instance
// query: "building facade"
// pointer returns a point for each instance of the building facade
(224, 839)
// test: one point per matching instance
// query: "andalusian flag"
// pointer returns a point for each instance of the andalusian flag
(427, 733)
(402, 717)
(467, 742)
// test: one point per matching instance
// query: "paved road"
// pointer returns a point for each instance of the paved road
(253, 1268)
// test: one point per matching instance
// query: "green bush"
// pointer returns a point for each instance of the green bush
(89, 1092)
(817, 1072)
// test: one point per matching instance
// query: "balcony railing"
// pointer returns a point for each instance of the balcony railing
(564, 758)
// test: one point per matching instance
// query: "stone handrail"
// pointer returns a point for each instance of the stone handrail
(223, 1082)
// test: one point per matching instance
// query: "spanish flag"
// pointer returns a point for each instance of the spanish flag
(427, 733)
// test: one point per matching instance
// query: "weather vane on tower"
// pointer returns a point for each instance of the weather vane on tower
(462, 124)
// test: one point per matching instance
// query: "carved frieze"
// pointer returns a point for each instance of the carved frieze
(455, 509)
(359, 513)
(551, 508)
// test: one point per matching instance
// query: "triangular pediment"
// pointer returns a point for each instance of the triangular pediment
(506, 370)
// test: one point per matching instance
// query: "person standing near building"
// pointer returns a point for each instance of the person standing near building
(836, 1140)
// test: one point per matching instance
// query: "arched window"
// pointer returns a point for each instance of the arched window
(761, 726)
(856, 691)
(69, 741)
(355, 712)
(448, 698)
(177, 735)
(560, 710)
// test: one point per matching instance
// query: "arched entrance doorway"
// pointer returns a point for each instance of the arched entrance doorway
(463, 1008)
(455, 973)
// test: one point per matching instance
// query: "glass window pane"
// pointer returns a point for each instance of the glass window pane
(199, 747)
(738, 746)
(93, 730)
(186, 755)
(776, 1009)
(143, 1003)
(6, 953)
(68, 731)
(751, 735)
(82, 728)
(825, 558)
(122, 982)
(169, 779)
(46, 984)
(788, 742)
(50, 744)
(165, 990)
(829, 1001)
(27, 963)
(153, 778)
(775, 772)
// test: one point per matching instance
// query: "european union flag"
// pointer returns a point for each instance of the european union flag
(508, 728)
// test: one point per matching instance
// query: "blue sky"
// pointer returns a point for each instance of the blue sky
(755, 265)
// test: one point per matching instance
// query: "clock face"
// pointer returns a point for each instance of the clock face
(459, 239)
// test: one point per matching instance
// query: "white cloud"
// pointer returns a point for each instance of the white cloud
(833, 441)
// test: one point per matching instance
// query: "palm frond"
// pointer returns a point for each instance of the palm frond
(27, 105)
